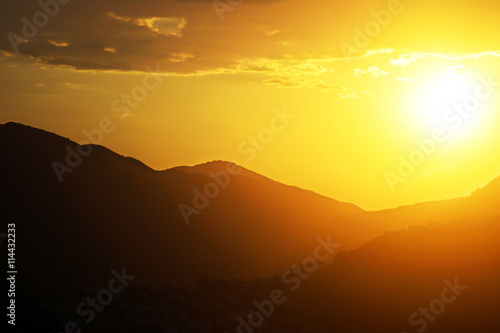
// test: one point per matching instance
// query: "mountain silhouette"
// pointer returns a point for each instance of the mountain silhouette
(439, 278)
(113, 212)
(382, 286)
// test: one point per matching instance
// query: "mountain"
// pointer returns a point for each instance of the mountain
(82, 211)
(426, 279)
(111, 211)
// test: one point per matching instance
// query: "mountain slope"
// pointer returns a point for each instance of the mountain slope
(380, 286)
(111, 211)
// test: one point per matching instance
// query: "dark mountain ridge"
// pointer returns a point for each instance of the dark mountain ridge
(112, 211)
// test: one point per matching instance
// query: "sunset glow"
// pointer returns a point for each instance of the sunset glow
(250, 166)
(365, 83)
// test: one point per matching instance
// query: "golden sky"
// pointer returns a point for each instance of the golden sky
(365, 84)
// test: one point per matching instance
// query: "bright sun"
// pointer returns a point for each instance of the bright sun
(442, 92)
(453, 101)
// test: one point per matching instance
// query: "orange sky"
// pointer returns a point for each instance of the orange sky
(353, 115)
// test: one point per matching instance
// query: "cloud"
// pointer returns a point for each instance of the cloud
(77, 86)
(58, 44)
(180, 57)
(168, 26)
(149, 32)
(109, 35)
(342, 91)
(269, 31)
(373, 71)
(187, 37)
(405, 60)
(309, 74)
(339, 90)
(458, 70)
(282, 82)
(119, 18)
(286, 43)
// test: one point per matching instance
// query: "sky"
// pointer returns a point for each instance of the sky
(378, 103)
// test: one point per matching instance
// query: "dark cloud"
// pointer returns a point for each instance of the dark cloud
(186, 36)
(183, 36)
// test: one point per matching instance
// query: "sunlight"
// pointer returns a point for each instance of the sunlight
(441, 93)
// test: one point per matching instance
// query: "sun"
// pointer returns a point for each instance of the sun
(442, 93)
(456, 102)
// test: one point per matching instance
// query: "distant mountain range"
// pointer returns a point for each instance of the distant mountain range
(206, 242)
(439, 278)
(113, 211)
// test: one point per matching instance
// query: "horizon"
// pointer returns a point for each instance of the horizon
(367, 103)
(276, 180)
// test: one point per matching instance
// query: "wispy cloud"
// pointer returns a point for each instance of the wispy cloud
(373, 71)
(168, 26)
(58, 44)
